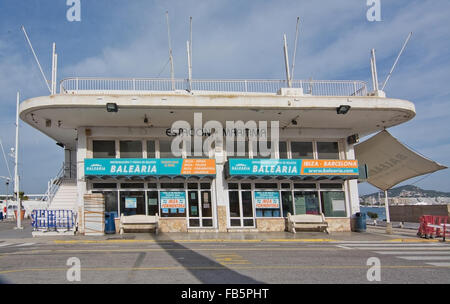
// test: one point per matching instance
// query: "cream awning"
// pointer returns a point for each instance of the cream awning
(390, 162)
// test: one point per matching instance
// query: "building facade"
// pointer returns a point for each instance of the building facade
(120, 142)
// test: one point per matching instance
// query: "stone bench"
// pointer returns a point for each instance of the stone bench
(139, 222)
(306, 221)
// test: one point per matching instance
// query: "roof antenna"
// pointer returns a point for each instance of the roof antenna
(295, 48)
(396, 60)
(37, 60)
(189, 55)
(172, 73)
(286, 62)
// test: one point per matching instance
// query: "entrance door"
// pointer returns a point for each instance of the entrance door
(132, 202)
(240, 207)
(200, 208)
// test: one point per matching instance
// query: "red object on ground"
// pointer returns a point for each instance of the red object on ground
(426, 231)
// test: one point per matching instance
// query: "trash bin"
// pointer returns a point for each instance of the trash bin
(110, 226)
(360, 222)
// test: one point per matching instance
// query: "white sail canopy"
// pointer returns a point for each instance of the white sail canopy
(390, 162)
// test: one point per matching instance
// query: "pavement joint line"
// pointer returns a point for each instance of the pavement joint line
(56, 251)
(313, 240)
(226, 268)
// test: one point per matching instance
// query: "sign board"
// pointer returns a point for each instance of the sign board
(173, 199)
(267, 199)
(151, 166)
(292, 167)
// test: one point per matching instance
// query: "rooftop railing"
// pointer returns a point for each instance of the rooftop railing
(82, 85)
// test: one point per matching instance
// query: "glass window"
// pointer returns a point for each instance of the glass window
(330, 186)
(172, 185)
(132, 185)
(104, 185)
(302, 150)
(266, 186)
(283, 149)
(192, 186)
(287, 203)
(205, 186)
(333, 203)
(165, 150)
(306, 202)
(247, 206)
(246, 186)
(173, 198)
(233, 186)
(132, 202)
(328, 150)
(268, 203)
(151, 148)
(233, 197)
(110, 201)
(304, 186)
(104, 148)
(130, 149)
(152, 202)
(285, 186)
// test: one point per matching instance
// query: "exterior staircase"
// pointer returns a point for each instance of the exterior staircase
(65, 197)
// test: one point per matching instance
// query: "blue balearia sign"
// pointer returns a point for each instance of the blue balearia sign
(239, 166)
(139, 166)
(292, 167)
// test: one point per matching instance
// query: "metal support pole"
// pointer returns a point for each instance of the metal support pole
(388, 218)
(16, 168)
(286, 61)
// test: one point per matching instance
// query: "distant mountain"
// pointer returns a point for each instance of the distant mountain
(409, 191)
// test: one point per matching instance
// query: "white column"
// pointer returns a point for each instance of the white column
(352, 185)
(81, 184)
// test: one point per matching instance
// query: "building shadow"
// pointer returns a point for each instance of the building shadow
(204, 269)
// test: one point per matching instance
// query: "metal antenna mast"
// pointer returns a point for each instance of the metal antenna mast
(295, 47)
(6, 160)
(172, 73)
(286, 62)
(189, 55)
(37, 60)
(396, 60)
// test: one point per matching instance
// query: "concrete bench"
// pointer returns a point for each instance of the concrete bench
(306, 221)
(139, 222)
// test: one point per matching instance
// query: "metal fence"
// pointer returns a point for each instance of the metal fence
(80, 85)
(53, 220)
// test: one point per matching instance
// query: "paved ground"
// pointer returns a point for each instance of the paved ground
(224, 258)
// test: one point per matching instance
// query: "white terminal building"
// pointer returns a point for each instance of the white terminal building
(117, 136)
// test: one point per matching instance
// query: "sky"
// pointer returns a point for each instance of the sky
(232, 39)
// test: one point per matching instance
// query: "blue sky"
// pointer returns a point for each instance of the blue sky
(231, 39)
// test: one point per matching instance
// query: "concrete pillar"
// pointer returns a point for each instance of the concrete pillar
(352, 185)
(81, 184)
